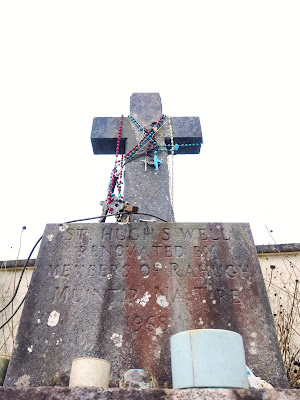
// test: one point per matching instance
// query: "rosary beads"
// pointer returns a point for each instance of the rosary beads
(115, 177)
(145, 145)
(149, 136)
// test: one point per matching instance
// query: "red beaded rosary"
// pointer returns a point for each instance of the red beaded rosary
(116, 178)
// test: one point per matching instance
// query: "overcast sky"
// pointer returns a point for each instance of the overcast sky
(235, 64)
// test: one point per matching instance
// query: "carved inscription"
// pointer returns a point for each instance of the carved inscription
(131, 233)
(75, 234)
(181, 270)
(137, 323)
(218, 270)
(83, 271)
(217, 295)
(204, 233)
(199, 292)
(77, 294)
(187, 266)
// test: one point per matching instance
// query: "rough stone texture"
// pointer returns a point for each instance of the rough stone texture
(58, 393)
(148, 190)
(120, 291)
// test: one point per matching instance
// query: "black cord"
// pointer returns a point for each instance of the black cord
(129, 213)
(79, 220)
(114, 215)
(21, 276)
(151, 215)
(15, 312)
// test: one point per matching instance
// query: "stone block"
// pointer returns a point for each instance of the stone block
(119, 292)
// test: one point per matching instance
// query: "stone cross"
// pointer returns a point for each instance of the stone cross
(145, 187)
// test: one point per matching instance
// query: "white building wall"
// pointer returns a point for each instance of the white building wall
(281, 271)
(9, 278)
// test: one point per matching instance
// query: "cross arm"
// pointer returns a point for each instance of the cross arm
(185, 130)
(104, 135)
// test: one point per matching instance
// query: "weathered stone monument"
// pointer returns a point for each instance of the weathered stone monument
(120, 291)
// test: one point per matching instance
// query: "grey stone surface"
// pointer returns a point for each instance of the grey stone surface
(58, 393)
(148, 190)
(145, 106)
(120, 291)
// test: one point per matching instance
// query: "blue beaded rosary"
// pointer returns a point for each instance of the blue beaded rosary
(150, 139)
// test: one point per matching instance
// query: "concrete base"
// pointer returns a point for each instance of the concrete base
(64, 393)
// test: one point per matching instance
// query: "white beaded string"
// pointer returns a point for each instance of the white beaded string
(172, 165)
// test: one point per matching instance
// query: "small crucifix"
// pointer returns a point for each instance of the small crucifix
(146, 162)
(146, 187)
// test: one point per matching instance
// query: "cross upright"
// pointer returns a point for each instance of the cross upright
(146, 187)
